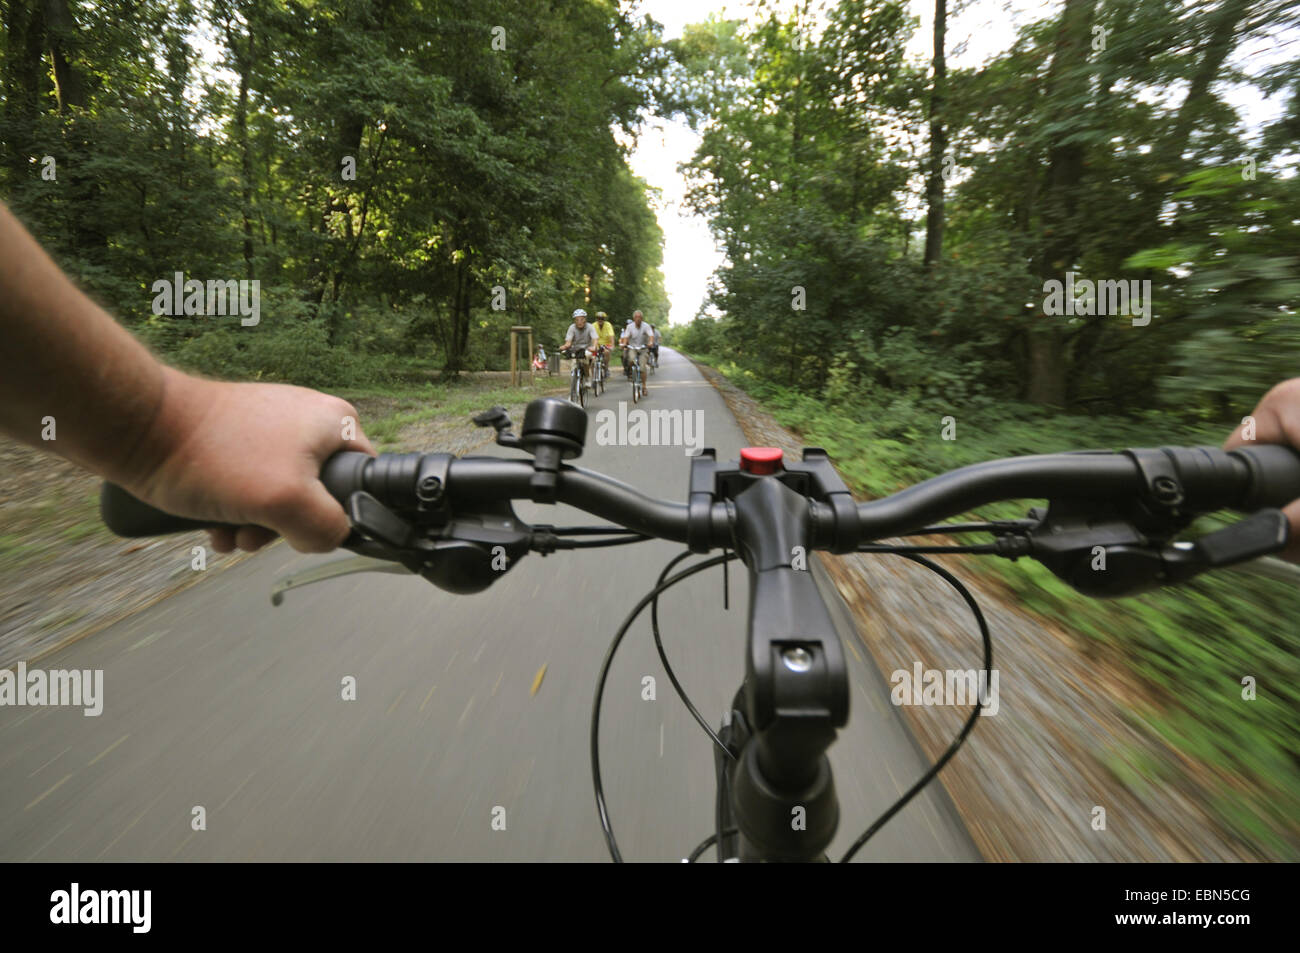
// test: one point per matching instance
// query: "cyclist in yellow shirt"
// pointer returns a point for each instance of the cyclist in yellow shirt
(605, 338)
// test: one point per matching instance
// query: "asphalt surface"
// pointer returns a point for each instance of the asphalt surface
(215, 700)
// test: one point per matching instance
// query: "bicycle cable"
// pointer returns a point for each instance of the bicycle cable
(672, 676)
(709, 842)
(970, 722)
(600, 690)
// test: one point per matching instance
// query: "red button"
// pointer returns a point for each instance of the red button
(760, 461)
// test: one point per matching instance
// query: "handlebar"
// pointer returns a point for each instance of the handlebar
(1193, 480)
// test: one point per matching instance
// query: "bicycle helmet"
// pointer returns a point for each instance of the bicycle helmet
(579, 313)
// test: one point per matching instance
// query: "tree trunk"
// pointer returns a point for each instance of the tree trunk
(25, 28)
(938, 142)
(1067, 79)
(61, 28)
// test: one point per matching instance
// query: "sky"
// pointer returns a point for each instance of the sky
(984, 29)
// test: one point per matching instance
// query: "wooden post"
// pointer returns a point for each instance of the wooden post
(515, 339)
(532, 350)
(514, 357)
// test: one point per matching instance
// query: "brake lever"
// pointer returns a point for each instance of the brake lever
(332, 570)
(1112, 558)
(1260, 534)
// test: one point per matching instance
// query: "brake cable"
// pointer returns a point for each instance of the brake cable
(600, 689)
(663, 658)
(966, 728)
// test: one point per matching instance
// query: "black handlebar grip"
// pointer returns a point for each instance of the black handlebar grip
(1274, 475)
(127, 516)
(344, 474)
(130, 517)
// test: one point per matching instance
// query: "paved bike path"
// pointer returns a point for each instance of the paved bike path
(215, 700)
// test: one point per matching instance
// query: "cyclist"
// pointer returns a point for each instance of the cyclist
(580, 341)
(638, 334)
(627, 355)
(654, 348)
(605, 339)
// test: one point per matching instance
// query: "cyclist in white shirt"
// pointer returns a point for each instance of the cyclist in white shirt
(638, 334)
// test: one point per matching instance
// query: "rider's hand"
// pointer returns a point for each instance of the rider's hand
(248, 454)
(1277, 420)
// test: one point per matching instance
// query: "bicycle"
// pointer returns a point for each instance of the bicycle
(638, 386)
(449, 519)
(599, 371)
(578, 382)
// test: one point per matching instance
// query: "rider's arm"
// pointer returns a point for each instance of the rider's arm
(75, 382)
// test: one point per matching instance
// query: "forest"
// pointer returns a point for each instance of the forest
(404, 179)
(894, 226)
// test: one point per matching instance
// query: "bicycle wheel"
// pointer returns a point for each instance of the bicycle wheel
(573, 388)
(636, 385)
(583, 387)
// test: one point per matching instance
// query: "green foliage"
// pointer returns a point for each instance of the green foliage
(393, 173)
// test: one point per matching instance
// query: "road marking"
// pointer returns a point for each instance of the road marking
(182, 844)
(109, 748)
(131, 825)
(395, 701)
(537, 680)
(235, 791)
(849, 643)
(461, 720)
(46, 794)
(148, 640)
(26, 717)
(428, 696)
(50, 841)
(50, 762)
(527, 774)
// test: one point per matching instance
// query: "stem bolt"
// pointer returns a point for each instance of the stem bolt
(797, 659)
